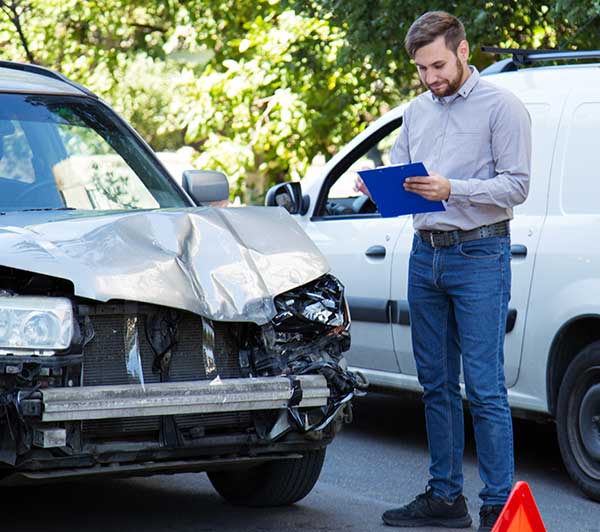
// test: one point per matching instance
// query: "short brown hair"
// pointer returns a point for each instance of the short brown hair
(428, 27)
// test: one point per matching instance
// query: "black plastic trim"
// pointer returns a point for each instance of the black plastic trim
(400, 312)
(344, 217)
(371, 310)
(376, 252)
(49, 361)
(511, 319)
(524, 57)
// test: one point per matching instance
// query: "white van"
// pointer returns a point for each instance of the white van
(552, 346)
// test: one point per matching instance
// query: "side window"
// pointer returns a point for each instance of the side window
(342, 199)
(581, 183)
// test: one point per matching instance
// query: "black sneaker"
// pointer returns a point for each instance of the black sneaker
(488, 515)
(427, 510)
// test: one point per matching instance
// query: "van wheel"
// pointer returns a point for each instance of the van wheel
(275, 483)
(578, 420)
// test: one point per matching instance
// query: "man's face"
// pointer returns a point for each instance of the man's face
(440, 70)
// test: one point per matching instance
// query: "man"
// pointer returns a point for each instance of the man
(475, 140)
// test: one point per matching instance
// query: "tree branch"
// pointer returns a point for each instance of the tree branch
(11, 11)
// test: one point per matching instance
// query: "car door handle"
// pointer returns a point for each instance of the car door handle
(376, 252)
(518, 250)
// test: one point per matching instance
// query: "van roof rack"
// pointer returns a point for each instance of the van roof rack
(521, 57)
(47, 72)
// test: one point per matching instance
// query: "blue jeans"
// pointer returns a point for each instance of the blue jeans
(458, 299)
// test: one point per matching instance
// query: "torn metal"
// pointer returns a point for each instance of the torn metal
(224, 264)
(308, 336)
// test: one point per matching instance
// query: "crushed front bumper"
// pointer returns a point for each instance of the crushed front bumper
(174, 398)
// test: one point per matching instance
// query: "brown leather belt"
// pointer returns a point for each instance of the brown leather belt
(444, 239)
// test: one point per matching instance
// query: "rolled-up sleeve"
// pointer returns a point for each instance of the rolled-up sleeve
(510, 125)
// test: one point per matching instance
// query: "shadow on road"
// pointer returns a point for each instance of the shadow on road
(182, 503)
(386, 416)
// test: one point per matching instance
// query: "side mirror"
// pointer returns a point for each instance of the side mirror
(205, 186)
(289, 196)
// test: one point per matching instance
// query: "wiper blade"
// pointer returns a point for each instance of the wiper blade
(49, 209)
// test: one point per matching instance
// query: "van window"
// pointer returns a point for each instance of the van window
(581, 175)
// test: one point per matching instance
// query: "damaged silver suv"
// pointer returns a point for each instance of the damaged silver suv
(142, 334)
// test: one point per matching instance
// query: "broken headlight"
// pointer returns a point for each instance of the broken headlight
(35, 323)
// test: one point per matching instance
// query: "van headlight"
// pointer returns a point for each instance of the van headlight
(35, 323)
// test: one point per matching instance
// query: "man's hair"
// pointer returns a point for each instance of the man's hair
(433, 24)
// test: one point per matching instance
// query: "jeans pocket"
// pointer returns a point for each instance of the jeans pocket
(483, 248)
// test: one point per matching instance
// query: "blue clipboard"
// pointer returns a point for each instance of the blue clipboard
(386, 185)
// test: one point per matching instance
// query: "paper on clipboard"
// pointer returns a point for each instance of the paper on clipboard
(386, 186)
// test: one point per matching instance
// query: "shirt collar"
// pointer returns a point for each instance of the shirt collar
(464, 90)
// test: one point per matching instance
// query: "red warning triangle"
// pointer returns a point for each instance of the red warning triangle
(520, 513)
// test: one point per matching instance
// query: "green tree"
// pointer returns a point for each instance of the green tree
(259, 87)
(377, 27)
(273, 95)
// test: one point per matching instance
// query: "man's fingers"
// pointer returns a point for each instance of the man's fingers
(414, 187)
(418, 179)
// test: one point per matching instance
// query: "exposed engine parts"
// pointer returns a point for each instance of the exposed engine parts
(307, 336)
(127, 343)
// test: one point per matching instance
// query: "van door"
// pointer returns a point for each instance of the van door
(525, 233)
(358, 244)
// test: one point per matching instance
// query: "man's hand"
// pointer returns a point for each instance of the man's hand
(432, 187)
(359, 186)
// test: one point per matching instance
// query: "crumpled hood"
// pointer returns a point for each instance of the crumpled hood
(225, 264)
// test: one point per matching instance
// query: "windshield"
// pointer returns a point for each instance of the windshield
(60, 152)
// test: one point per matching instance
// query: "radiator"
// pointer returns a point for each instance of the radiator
(105, 362)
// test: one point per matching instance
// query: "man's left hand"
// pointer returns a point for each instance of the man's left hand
(432, 187)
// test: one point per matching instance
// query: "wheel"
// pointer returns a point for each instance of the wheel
(275, 483)
(578, 420)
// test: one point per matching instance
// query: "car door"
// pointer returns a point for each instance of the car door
(358, 244)
(525, 234)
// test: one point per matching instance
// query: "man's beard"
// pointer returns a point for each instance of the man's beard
(454, 84)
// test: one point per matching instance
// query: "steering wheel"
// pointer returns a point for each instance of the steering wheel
(51, 194)
(363, 205)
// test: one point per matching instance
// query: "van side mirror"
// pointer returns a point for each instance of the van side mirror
(289, 196)
(205, 186)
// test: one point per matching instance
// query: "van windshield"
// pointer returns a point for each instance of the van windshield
(60, 152)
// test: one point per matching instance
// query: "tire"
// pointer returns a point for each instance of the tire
(276, 483)
(578, 420)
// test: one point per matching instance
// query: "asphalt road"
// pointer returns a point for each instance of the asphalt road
(377, 463)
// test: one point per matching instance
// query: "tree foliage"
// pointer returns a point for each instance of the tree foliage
(378, 27)
(259, 87)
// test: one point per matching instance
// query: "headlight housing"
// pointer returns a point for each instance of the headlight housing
(35, 323)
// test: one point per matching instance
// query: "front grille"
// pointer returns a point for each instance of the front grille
(105, 363)
(105, 357)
